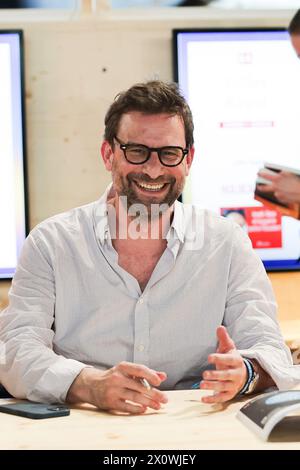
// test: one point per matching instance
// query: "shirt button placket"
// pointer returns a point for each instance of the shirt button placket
(141, 333)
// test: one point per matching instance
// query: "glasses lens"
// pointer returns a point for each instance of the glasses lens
(171, 155)
(136, 153)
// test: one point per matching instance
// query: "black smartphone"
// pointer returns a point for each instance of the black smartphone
(35, 410)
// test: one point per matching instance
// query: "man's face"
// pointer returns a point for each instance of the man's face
(164, 184)
(295, 40)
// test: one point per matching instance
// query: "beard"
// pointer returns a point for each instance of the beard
(126, 186)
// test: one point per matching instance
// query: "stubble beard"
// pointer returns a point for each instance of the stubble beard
(125, 188)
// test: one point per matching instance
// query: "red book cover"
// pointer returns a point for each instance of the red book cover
(263, 224)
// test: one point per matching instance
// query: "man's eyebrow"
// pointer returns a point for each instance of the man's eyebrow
(130, 142)
(144, 145)
(135, 143)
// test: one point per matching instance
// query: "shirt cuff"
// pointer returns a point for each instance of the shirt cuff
(283, 372)
(53, 386)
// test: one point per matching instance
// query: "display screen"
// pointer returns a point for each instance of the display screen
(12, 158)
(243, 89)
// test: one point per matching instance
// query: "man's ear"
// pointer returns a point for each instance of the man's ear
(189, 159)
(107, 155)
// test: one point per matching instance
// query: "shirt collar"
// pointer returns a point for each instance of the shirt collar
(101, 226)
(177, 226)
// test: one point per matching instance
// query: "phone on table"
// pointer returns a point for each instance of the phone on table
(35, 410)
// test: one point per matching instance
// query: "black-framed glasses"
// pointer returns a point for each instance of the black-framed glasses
(137, 154)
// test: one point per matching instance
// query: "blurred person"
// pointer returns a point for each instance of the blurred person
(285, 185)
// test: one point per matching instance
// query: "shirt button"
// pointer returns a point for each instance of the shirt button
(141, 347)
(141, 301)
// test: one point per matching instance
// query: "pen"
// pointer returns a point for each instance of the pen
(145, 383)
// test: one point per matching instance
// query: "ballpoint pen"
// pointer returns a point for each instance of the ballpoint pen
(146, 384)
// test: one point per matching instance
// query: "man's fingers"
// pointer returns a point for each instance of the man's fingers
(225, 360)
(225, 386)
(142, 372)
(135, 385)
(225, 342)
(222, 375)
(125, 407)
(139, 399)
(226, 380)
(217, 398)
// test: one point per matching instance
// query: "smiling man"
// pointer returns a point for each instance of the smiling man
(136, 293)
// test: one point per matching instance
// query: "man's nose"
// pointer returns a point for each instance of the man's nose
(153, 167)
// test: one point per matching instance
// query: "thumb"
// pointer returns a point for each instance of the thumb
(225, 342)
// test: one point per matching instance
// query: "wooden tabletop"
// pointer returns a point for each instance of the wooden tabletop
(184, 423)
(291, 333)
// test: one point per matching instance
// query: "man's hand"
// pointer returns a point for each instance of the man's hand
(119, 388)
(230, 374)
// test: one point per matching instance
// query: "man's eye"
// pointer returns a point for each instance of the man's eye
(170, 152)
(136, 150)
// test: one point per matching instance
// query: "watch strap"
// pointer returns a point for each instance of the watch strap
(250, 375)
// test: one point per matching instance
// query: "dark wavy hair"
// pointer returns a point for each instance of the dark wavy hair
(153, 97)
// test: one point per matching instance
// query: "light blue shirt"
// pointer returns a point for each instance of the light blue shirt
(72, 305)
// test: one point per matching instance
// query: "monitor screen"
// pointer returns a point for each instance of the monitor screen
(243, 88)
(12, 181)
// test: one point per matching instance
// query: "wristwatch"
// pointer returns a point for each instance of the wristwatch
(252, 379)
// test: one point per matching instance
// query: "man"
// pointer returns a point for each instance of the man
(285, 185)
(137, 286)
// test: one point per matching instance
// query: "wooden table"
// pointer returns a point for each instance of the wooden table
(184, 423)
(291, 333)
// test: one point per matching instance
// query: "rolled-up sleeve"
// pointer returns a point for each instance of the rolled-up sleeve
(29, 368)
(250, 315)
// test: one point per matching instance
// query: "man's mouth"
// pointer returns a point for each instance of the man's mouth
(150, 186)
